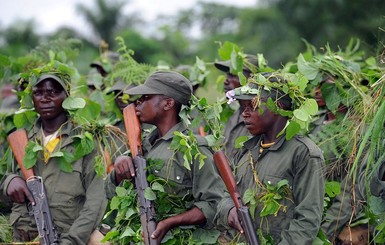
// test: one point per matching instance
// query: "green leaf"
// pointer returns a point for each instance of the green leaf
(302, 83)
(128, 232)
(240, 141)
(90, 112)
(186, 162)
(85, 146)
(271, 207)
(242, 78)
(248, 196)
(309, 70)
(71, 103)
(120, 191)
(211, 140)
(30, 157)
(57, 154)
(130, 212)
(24, 118)
(115, 202)
(310, 106)
(37, 148)
(226, 50)
(331, 96)
(149, 194)
(110, 235)
(301, 114)
(332, 188)
(292, 129)
(282, 183)
(157, 187)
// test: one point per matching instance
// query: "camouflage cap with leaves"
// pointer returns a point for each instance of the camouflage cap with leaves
(286, 88)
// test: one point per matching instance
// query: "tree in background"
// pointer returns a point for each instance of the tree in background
(104, 18)
(19, 38)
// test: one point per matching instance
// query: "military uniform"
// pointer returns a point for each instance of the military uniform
(300, 162)
(76, 203)
(204, 185)
(234, 128)
(377, 185)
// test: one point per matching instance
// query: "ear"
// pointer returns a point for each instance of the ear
(169, 104)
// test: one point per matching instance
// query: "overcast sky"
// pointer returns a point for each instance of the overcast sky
(50, 14)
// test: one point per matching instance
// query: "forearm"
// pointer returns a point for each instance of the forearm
(193, 216)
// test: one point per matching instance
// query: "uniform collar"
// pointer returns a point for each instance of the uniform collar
(64, 130)
(255, 143)
(153, 136)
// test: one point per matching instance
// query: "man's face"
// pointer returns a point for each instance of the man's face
(120, 101)
(149, 108)
(257, 118)
(232, 81)
(48, 97)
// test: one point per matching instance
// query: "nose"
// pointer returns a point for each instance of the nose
(245, 112)
(45, 97)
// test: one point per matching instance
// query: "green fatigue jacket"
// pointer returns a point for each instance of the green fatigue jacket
(346, 207)
(234, 128)
(300, 162)
(204, 185)
(76, 203)
(342, 210)
(377, 185)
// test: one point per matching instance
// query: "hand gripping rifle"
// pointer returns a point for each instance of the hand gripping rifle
(147, 210)
(48, 235)
(243, 211)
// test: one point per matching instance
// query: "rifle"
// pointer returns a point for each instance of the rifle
(224, 169)
(147, 210)
(48, 235)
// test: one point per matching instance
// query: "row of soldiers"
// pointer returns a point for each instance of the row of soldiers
(268, 159)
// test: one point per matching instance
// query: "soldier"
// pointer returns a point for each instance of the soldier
(269, 158)
(162, 96)
(74, 198)
(234, 126)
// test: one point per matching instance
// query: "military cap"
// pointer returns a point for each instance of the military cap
(65, 85)
(169, 83)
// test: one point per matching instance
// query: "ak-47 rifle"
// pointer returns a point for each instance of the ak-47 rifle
(147, 210)
(224, 169)
(48, 235)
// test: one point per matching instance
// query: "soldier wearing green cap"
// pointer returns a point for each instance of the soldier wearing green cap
(162, 96)
(75, 201)
(268, 159)
(234, 126)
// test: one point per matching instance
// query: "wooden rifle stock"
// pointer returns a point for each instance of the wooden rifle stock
(132, 125)
(224, 169)
(147, 210)
(18, 140)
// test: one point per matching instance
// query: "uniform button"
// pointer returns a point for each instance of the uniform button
(178, 177)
